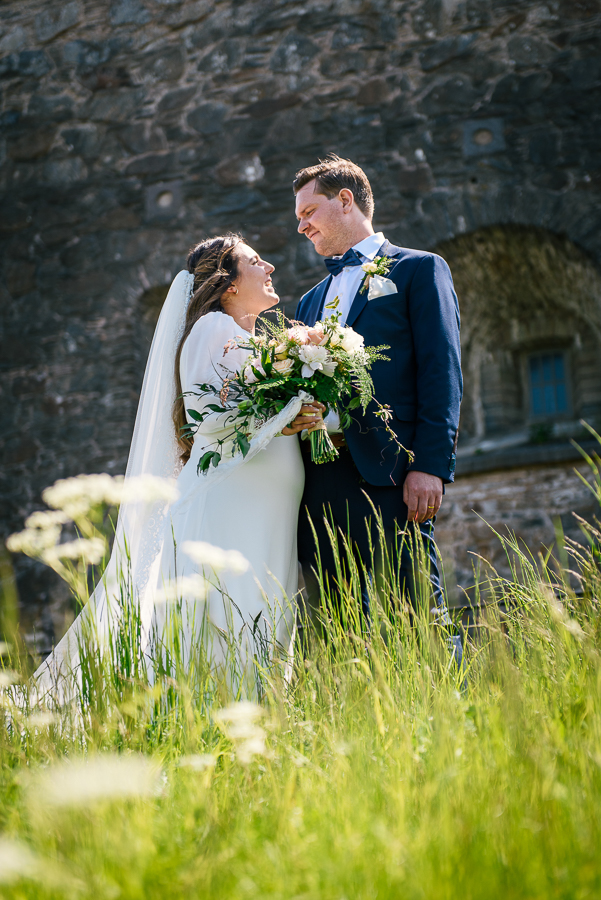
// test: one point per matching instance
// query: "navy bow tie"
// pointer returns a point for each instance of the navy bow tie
(335, 264)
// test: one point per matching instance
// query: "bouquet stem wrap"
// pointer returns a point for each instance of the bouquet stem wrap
(322, 448)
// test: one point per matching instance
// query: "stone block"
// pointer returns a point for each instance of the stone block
(163, 201)
(150, 164)
(262, 109)
(447, 49)
(20, 278)
(33, 63)
(64, 172)
(243, 168)
(49, 23)
(543, 148)
(57, 108)
(30, 143)
(337, 65)
(528, 51)
(455, 94)
(176, 99)
(114, 105)
(349, 33)
(82, 139)
(373, 92)
(126, 12)
(293, 54)
(207, 118)
(483, 137)
(13, 41)
(415, 179)
(140, 138)
(163, 66)
(222, 57)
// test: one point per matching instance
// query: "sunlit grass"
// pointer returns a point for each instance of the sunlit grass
(377, 770)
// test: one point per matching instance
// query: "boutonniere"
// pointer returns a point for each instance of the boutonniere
(374, 279)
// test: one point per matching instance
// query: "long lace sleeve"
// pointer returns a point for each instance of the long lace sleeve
(208, 357)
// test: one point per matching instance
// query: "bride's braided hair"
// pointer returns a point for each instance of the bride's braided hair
(214, 265)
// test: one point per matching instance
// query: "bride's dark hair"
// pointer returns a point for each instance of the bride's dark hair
(214, 264)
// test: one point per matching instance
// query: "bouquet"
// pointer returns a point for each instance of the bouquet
(327, 362)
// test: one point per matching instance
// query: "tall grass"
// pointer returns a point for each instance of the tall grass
(377, 770)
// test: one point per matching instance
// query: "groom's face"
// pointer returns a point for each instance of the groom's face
(322, 221)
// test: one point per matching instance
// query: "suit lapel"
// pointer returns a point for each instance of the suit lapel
(360, 301)
(317, 301)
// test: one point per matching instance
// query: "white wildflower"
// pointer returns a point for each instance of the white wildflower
(239, 721)
(149, 489)
(42, 719)
(76, 496)
(34, 541)
(16, 861)
(8, 677)
(105, 777)
(90, 551)
(215, 558)
(313, 358)
(46, 519)
(198, 762)
(283, 366)
(189, 587)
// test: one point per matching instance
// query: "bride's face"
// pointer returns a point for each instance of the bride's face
(255, 292)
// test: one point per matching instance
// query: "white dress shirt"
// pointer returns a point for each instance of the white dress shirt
(345, 287)
(347, 283)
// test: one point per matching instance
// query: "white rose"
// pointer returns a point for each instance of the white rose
(313, 358)
(370, 267)
(350, 341)
(283, 366)
(281, 351)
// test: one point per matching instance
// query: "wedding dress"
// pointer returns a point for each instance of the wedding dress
(247, 504)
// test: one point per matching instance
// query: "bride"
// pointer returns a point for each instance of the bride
(247, 504)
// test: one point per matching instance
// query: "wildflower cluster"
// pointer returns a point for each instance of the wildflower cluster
(81, 503)
(327, 362)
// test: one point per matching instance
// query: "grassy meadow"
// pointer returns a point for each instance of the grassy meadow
(377, 770)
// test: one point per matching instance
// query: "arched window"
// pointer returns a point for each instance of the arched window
(530, 306)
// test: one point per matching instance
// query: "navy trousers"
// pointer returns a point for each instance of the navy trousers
(337, 491)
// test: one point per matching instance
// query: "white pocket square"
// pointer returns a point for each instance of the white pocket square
(380, 287)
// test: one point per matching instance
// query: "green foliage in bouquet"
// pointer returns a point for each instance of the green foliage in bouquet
(327, 362)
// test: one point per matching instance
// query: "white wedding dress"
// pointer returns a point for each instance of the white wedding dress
(248, 504)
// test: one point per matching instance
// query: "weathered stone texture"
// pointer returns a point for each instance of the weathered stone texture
(537, 505)
(132, 128)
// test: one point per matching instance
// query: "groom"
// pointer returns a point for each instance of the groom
(419, 320)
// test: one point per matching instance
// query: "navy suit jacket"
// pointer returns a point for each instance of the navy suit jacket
(422, 381)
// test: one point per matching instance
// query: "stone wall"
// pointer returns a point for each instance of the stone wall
(538, 505)
(132, 128)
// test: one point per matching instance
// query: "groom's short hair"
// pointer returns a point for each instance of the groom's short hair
(334, 173)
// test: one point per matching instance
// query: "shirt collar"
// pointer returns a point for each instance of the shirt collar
(369, 246)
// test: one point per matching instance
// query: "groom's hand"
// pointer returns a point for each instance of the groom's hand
(422, 494)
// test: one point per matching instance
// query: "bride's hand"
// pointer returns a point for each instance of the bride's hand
(310, 415)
